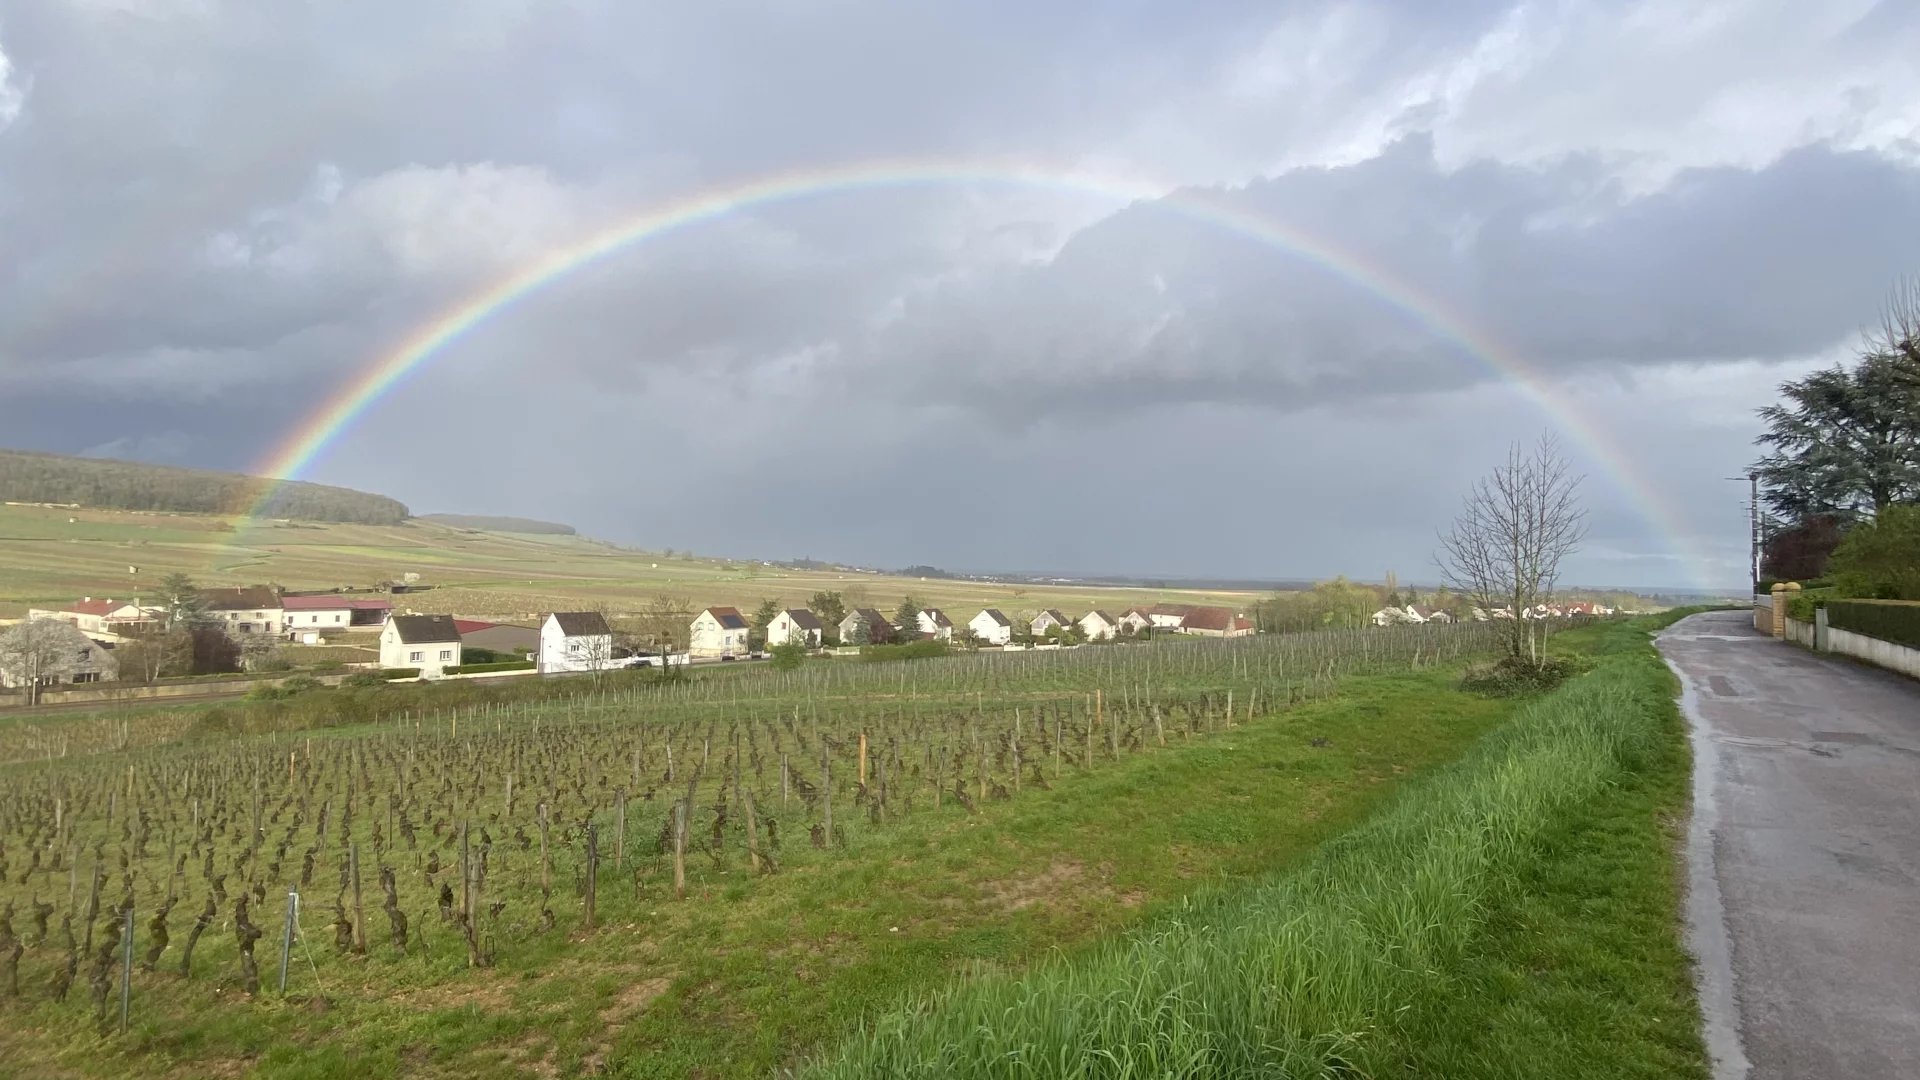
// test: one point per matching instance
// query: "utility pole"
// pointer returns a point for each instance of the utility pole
(1753, 516)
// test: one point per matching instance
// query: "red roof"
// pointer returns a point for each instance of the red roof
(468, 626)
(90, 607)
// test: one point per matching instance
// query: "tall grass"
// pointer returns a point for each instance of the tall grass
(1304, 975)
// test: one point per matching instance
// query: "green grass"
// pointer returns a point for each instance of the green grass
(1513, 916)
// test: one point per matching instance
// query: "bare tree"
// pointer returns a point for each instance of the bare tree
(41, 651)
(1898, 336)
(1506, 545)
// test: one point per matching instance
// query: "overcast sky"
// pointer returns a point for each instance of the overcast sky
(213, 213)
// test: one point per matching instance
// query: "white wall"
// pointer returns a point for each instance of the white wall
(1887, 654)
(707, 637)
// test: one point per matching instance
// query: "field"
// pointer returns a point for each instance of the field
(53, 555)
(496, 891)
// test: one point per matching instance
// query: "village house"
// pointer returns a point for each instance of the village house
(934, 623)
(252, 609)
(799, 625)
(1216, 622)
(865, 626)
(307, 618)
(63, 654)
(1434, 615)
(574, 641)
(990, 627)
(430, 643)
(497, 637)
(1169, 616)
(103, 616)
(1135, 620)
(718, 631)
(1097, 625)
(1396, 616)
(1047, 620)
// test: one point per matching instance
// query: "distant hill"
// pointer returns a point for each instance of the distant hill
(498, 523)
(31, 477)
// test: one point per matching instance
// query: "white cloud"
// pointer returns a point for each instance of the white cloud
(13, 95)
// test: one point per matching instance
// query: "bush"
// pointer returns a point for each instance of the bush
(497, 665)
(365, 678)
(1512, 676)
(329, 667)
(1807, 601)
(788, 657)
(471, 655)
(300, 684)
(392, 673)
(1881, 559)
(1889, 620)
(912, 650)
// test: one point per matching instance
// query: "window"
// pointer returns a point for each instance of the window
(246, 627)
(414, 657)
(446, 655)
(336, 618)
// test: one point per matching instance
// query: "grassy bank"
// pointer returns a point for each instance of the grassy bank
(753, 974)
(1514, 915)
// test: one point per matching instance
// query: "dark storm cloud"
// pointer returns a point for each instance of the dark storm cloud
(215, 207)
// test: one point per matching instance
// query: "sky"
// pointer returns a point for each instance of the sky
(1620, 223)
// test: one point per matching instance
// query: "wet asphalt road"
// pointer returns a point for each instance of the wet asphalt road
(1804, 855)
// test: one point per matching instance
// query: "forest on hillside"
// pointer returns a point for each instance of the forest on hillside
(500, 523)
(29, 476)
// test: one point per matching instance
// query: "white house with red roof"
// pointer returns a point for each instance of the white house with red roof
(311, 616)
(104, 615)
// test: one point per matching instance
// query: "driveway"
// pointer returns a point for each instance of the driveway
(1804, 855)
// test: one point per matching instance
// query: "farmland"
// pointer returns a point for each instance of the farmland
(53, 555)
(726, 871)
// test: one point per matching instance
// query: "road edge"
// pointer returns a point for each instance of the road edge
(1707, 938)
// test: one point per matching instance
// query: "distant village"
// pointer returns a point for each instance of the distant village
(259, 620)
(83, 641)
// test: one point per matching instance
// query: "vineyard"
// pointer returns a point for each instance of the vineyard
(225, 871)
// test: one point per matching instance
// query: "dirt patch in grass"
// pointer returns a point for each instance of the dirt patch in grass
(1019, 893)
(632, 998)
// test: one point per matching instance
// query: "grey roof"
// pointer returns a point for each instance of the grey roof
(424, 629)
(998, 619)
(1110, 619)
(250, 598)
(939, 617)
(805, 619)
(582, 623)
(1055, 612)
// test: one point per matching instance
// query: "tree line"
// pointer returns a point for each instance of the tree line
(1840, 477)
(30, 476)
(499, 523)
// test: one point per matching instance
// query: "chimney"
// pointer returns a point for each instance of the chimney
(86, 599)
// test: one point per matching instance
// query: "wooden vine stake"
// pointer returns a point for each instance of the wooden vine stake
(863, 759)
(753, 833)
(593, 873)
(680, 850)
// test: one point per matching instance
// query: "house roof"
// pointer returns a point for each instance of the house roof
(1215, 618)
(1182, 610)
(312, 603)
(247, 598)
(1110, 620)
(805, 619)
(729, 618)
(91, 607)
(425, 629)
(994, 614)
(582, 623)
(939, 617)
(1055, 612)
(870, 616)
(465, 626)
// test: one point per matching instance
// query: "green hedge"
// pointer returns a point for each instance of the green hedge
(912, 650)
(399, 672)
(497, 665)
(1897, 621)
(1803, 604)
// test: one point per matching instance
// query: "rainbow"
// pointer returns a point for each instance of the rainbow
(310, 438)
